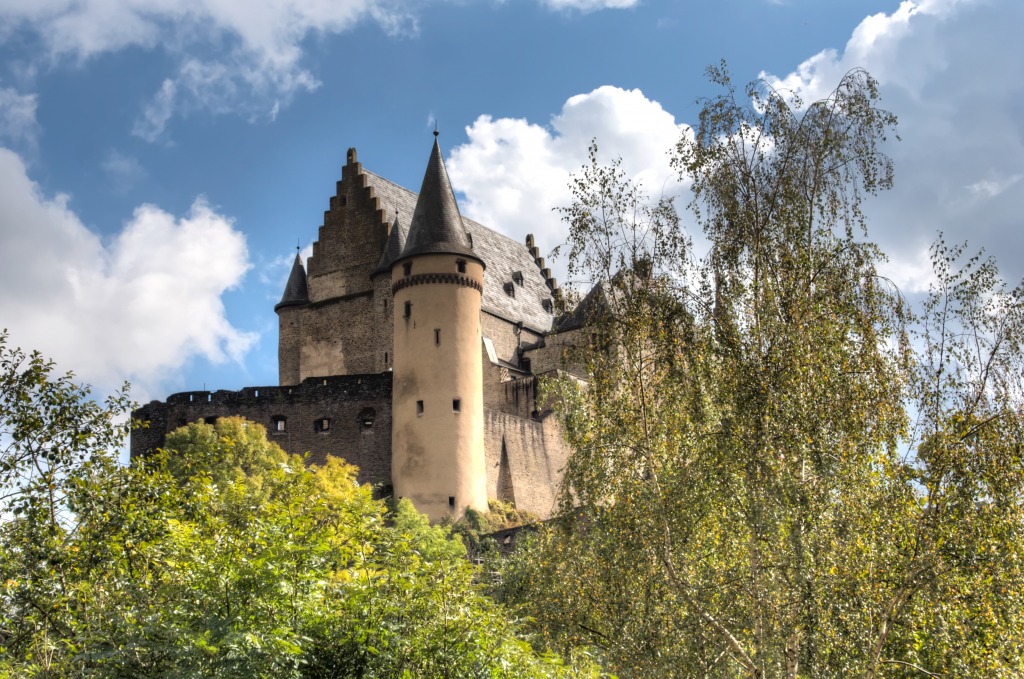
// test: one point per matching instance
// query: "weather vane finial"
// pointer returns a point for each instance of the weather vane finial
(435, 128)
(297, 248)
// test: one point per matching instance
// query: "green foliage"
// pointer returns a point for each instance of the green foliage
(222, 557)
(757, 500)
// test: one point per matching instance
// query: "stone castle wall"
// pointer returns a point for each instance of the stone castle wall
(357, 409)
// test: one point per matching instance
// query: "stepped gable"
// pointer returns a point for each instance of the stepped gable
(296, 292)
(503, 256)
(436, 225)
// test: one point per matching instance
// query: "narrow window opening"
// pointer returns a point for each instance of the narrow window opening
(385, 359)
(457, 405)
(280, 423)
(437, 336)
(210, 420)
(209, 398)
(407, 268)
(517, 278)
(408, 309)
(461, 264)
(451, 501)
(257, 393)
(419, 408)
(322, 425)
(366, 417)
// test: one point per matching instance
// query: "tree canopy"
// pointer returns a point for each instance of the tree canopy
(779, 467)
(221, 556)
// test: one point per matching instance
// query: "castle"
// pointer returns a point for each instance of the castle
(411, 346)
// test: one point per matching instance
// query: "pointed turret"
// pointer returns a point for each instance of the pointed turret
(296, 292)
(392, 249)
(436, 226)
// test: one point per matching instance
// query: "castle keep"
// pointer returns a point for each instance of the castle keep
(410, 345)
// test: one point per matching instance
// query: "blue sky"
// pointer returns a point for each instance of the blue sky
(159, 159)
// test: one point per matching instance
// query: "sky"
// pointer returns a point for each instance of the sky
(160, 160)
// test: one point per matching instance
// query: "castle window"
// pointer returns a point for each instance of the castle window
(366, 417)
(524, 363)
(451, 502)
(322, 425)
(279, 423)
(419, 408)
(548, 306)
(510, 289)
(385, 359)
(461, 265)
(437, 336)
(212, 419)
(408, 309)
(456, 405)
(517, 278)
(257, 393)
(407, 268)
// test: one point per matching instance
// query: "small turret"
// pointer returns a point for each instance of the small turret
(296, 292)
(289, 316)
(392, 249)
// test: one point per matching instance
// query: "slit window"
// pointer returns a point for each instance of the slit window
(385, 359)
(408, 309)
(437, 336)
(451, 502)
(460, 264)
(419, 408)
(407, 268)
(456, 405)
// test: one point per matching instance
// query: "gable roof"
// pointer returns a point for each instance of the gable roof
(503, 256)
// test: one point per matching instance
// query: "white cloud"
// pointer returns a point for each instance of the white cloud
(122, 171)
(17, 116)
(951, 70)
(253, 63)
(513, 173)
(136, 307)
(588, 5)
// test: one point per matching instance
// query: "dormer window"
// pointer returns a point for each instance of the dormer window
(510, 289)
(407, 269)
(460, 264)
(517, 278)
(548, 306)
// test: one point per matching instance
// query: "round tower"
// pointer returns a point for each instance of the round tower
(437, 398)
(289, 313)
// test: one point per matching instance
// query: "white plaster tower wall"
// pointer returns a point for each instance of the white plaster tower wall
(437, 417)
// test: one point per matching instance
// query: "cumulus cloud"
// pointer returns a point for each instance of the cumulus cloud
(950, 69)
(513, 173)
(136, 307)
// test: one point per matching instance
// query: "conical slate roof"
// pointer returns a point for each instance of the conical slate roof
(296, 292)
(436, 223)
(392, 249)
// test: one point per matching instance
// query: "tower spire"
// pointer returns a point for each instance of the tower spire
(296, 292)
(436, 225)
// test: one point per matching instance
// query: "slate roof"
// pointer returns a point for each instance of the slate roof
(392, 249)
(296, 292)
(503, 258)
(436, 223)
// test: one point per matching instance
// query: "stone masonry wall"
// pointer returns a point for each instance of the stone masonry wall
(525, 461)
(357, 407)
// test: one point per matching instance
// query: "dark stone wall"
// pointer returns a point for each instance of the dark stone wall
(358, 408)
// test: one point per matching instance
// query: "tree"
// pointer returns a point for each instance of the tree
(221, 556)
(755, 500)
